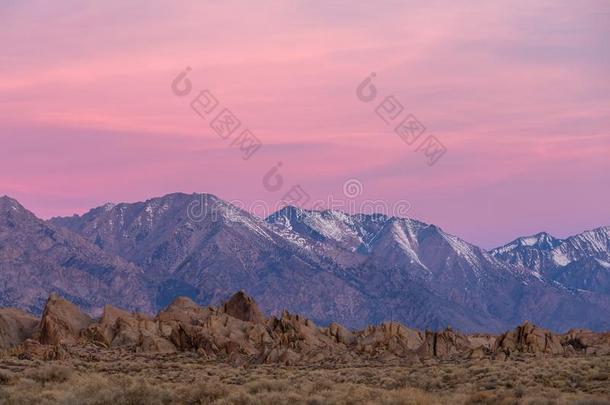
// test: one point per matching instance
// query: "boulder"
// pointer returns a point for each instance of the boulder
(137, 332)
(340, 334)
(528, 338)
(185, 310)
(586, 342)
(15, 327)
(243, 307)
(445, 344)
(33, 350)
(61, 322)
(389, 336)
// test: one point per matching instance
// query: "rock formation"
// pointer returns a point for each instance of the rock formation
(586, 341)
(528, 338)
(15, 326)
(237, 332)
(242, 307)
(61, 322)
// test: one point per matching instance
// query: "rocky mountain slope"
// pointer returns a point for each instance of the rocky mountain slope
(396, 254)
(238, 332)
(329, 266)
(580, 262)
(37, 258)
(208, 258)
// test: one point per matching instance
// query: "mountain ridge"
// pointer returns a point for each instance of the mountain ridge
(37, 258)
(333, 266)
(555, 258)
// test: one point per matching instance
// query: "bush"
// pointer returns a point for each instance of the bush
(204, 393)
(5, 377)
(50, 373)
(266, 385)
(99, 390)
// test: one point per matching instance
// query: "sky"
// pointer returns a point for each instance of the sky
(517, 92)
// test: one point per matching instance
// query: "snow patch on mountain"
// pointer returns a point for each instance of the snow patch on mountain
(541, 240)
(333, 225)
(505, 249)
(463, 249)
(603, 263)
(560, 258)
(232, 214)
(595, 241)
(405, 244)
(529, 241)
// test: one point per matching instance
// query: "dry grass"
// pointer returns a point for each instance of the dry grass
(49, 373)
(184, 378)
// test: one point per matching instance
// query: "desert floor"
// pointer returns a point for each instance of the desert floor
(129, 378)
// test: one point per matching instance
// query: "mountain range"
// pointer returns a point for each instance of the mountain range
(327, 265)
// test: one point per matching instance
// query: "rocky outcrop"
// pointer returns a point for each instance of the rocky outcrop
(238, 333)
(243, 307)
(61, 322)
(133, 331)
(445, 344)
(391, 337)
(15, 327)
(528, 338)
(586, 342)
(340, 334)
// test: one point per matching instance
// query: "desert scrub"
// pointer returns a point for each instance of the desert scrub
(139, 380)
(267, 385)
(5, 377)
(49, 373)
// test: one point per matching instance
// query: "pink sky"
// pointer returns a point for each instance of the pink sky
(519, 93)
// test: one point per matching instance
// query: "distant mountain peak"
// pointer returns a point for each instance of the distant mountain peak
(37, 258)
(13, 213)
(576, 263)
(108, 206)
(7, 203)
(540, 241)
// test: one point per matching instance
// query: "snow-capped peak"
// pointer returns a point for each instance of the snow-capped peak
(541, 240)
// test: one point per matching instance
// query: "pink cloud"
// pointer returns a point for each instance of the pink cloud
(518, 96)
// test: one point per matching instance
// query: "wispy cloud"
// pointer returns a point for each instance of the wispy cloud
(518, 93)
